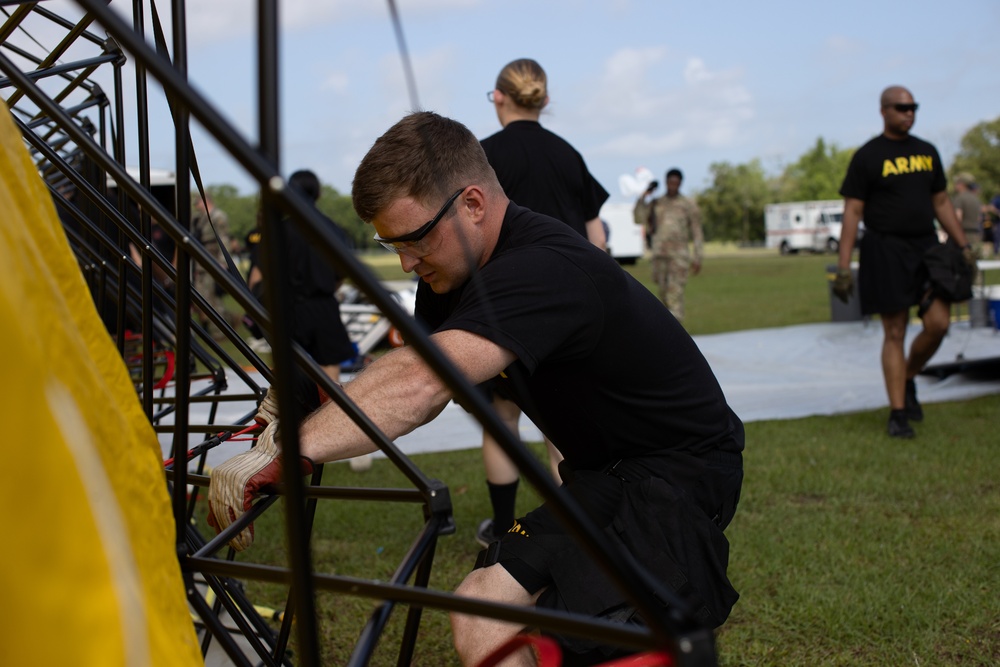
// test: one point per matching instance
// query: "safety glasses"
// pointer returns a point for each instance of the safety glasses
(410, 241)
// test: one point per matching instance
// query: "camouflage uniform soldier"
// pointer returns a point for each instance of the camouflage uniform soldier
(202, 230)
(672, 221)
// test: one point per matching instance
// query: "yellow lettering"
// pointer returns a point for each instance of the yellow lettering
(910, 165)
(921, 163)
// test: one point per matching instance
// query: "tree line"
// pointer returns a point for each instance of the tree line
(732, 206)
(241, 211)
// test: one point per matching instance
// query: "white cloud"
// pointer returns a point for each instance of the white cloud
(430, 70)
(841, 45)
(336, 82)
(649, 103)
(695, 71)
(211, 20)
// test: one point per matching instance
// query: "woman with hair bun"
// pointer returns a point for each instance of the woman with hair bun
(541, 171)
(537, 168)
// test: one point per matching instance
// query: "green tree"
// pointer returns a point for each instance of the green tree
(241, 210)
(339, 208)
(733, 207)
(980, 156)
(817, 174)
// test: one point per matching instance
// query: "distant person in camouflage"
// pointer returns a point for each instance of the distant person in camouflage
(674, 222)
(968, 208)
(206, 222)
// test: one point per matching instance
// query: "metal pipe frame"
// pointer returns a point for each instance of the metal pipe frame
(671, 627)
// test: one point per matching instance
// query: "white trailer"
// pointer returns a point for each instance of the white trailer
(626, 240)
(804, 225)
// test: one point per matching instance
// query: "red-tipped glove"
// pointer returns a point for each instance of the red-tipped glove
(267, 411)
(242, 478)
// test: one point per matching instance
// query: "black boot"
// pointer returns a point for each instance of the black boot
(914, 412)
(899, 425)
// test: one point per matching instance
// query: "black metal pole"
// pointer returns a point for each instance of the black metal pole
(182, 387)
(278, 291)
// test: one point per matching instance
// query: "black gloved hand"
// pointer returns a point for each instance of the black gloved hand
(843, 284)
(969, 255)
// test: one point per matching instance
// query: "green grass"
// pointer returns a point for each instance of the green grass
(852, 549)
(848, 548)
(736, 289)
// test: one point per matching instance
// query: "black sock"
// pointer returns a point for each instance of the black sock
(502, 497)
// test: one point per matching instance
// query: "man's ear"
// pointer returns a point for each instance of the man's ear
(473, 200)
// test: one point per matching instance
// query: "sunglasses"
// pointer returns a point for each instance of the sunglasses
(406, 242)
(904, 108)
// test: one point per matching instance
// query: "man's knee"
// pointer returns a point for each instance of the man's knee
(894, 326)
(937, 319)
(473, 586)
(474, 636)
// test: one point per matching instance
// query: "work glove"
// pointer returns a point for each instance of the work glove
(843, 285)
(267, 412)
(969, 255)
(242, 478)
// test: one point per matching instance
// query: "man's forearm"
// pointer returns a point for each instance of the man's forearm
(398, 392)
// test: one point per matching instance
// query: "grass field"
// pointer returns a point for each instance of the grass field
(848, 548)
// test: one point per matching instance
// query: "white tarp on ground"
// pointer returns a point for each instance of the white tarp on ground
(781, 373)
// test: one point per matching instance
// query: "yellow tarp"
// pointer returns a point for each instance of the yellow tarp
(88, 571)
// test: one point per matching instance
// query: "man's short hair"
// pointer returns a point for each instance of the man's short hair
(675, 172)
(305, 182)
(424, 156)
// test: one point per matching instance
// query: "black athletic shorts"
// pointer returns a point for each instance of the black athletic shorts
(492, 389)
(539, 551)
(891, 274)
(320, 331)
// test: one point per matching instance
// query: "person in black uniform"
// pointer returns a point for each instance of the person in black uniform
(543, 172)
(316, 324)
(317, 327)
(896, 183)
(537, 168)
(517, 296)
(255, 282)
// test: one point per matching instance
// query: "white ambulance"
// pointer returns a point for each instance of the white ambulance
(804, 225)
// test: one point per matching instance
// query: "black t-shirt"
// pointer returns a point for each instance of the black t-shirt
(251, 242)
(895, 179)
(311, 275)
(603, 368)
(162, 241)
(540, 170)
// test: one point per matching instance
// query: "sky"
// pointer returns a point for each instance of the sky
(632, 83)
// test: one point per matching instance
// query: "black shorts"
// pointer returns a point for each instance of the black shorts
(492, 389)
(540, 552)
(891, 275)
(320, 331)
